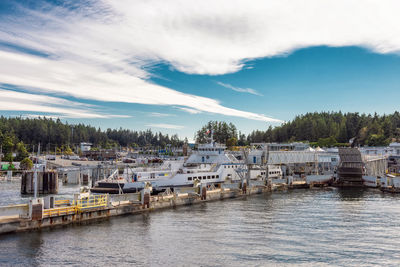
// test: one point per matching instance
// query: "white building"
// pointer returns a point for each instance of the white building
(85, 146)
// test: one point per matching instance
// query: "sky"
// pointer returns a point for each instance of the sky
(172, 66)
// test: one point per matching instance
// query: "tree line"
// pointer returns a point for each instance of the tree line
(18, 133)
(323, 129)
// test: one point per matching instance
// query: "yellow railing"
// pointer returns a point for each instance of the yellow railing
(93, 201)
(62, 202)
(59, 211)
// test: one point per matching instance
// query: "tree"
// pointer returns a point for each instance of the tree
(22, 153)
(26, 164)
(8, 146)
(231, 142)
(68, 151)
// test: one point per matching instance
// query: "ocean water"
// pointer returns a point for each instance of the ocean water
(318, 227)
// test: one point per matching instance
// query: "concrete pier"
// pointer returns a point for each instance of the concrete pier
(97, 207)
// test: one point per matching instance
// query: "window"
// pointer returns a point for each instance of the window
(189, 178)
(152, 175)
(204, 177)
(213, 177)
(208, 177)
(217, 176)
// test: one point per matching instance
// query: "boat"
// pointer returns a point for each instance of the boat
(390, 184)
(210, 164)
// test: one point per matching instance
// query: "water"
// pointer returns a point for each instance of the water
(329, 227)
(10, 192)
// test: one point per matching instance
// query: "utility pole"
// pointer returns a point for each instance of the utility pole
(35, 182)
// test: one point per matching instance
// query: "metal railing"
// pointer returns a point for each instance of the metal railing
(93, 201)
(60, 202)
(72, 207)
(59, 211)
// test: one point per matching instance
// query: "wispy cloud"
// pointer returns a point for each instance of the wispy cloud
(165, 126)
(159, 115)
(56, 107)
(190, 110)
(238, 89)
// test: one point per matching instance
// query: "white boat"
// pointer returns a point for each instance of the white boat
(209, 164)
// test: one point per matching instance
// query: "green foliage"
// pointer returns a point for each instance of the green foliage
(26, 164)
(22, 153)
(68, 151)
(8, 157)
(222, 131)
(327, 142)
(317, 128)
(231, 142)
(53, 134)
(377, 140)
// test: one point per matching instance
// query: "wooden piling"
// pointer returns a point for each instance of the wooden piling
(47, 182)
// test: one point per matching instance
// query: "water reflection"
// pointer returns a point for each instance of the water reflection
(351, 193)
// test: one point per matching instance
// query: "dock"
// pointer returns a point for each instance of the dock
(48, 212)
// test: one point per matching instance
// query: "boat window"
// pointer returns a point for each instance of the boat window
(208, 177)
(204, 177)
(189, 178)
(217, 176)
(213, 176)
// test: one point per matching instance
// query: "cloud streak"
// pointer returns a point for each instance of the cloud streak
(62, 108)
(159, 115)
(190, 110)
(238, 89)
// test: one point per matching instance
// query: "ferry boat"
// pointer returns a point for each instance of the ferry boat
(209, 164)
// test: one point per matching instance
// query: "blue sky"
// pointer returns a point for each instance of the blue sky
(173, 67)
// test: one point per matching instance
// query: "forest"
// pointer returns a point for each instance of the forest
(325, 129)
(55, 135)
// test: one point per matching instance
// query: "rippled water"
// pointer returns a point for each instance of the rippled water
(298, 228)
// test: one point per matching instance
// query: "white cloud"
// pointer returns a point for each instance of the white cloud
(34, 116)
(165, 126)
(17, 101)
(190, 110)
(159, 115)
(238, 89)
(102, 51)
